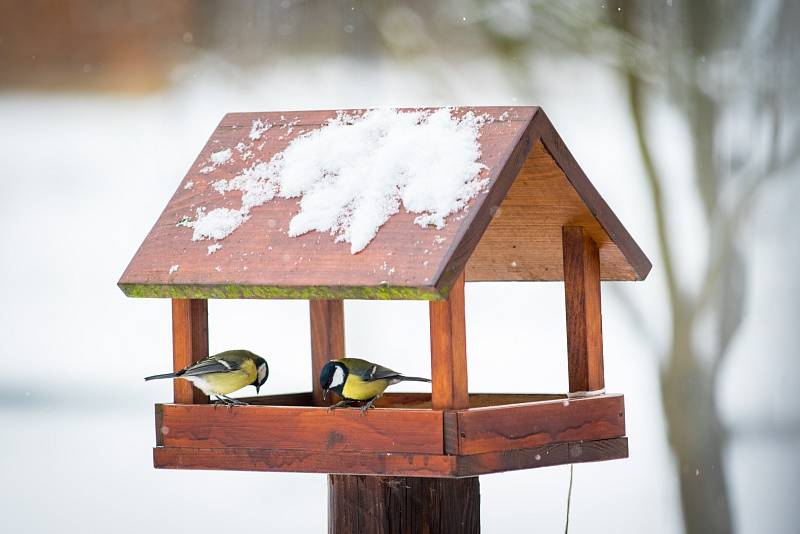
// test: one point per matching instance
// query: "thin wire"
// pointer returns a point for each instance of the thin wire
(569, 498)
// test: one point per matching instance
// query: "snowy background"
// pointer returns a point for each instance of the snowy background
(90, 157)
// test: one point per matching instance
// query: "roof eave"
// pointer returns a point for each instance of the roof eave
(240, 291)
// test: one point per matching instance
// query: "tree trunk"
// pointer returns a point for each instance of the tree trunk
(698, 442)
(359, 504)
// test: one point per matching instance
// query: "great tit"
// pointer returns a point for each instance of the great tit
(224, 373)
(354, 379)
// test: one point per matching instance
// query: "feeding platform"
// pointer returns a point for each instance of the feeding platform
(536, 217)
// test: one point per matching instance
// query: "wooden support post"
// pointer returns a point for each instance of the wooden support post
(327, 340)
(378, 505)
(584, 322)
(449, 350)
(189, 345)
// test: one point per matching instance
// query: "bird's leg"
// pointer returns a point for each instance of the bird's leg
(341, 404)
(369, 404)
(220, 401)
(234, 402)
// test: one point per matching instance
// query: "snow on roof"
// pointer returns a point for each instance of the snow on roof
(425, 195)
(356, 171)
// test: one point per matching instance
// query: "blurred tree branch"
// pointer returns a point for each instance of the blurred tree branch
(688, 379)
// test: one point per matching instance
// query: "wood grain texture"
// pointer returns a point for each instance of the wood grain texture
(515, 233)
(404, 261)
(449, 350)
(282, 399)
(573, 452)
(409, 400)
(399, 505)
(327, 340)
(589, 195)
(189, 345)
(159, 425)
(522, 426)
(302, 428)
(293, 461)
(389, 464)
(584, 318)
(523, 238)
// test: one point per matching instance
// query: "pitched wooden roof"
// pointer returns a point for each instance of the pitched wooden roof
(511, 231)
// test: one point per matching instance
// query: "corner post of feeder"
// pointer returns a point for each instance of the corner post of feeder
(449, 350)
(189, 345)
(584, 319)
(327, 339)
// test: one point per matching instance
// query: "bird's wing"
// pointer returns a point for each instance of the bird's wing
(368, 371)
(211, 365)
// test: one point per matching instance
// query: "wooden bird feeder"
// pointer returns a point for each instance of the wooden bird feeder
(539, 218)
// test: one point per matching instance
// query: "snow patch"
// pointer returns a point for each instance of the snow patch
(216, 224)
(258, 128)
(356, 171)
(174, 268)
(218, 158)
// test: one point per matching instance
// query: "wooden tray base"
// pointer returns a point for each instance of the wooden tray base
(402, 437)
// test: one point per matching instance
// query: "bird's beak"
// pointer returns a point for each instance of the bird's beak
(324, 394)
(257, 388)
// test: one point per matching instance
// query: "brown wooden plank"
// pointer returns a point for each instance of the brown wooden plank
(404, 261)
(282, 399)
(409, 400)
(532, 424)
(389, 464)
(189, 345)
(516, 232)
(523, 238)
(260, 260)
(396, 505)
(449, 350)
(451, 435)
(589, 195)
(327, 339)
(584, 319)
(293, 461)
(476, 400)
(159, 425)
(300, 428)
(542, 456)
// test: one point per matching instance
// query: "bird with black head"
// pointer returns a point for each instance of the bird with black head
(357, 380)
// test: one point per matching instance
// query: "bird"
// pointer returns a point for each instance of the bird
(224, 373)
(354, 379)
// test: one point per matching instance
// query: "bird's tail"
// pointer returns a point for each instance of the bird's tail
(413, 379)
(157, 377)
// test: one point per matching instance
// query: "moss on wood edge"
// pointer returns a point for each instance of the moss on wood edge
(234, 291)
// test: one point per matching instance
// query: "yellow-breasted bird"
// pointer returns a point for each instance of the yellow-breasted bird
(354, 379)
(224, 373)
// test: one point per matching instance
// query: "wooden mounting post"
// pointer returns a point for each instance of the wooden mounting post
(189, 345)
(449, 350)
(375, 504)
(584, 321)
(327, 339)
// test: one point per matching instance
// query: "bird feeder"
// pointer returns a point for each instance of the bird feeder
(537, 219)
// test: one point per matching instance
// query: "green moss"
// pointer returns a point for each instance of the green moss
(232, 291)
